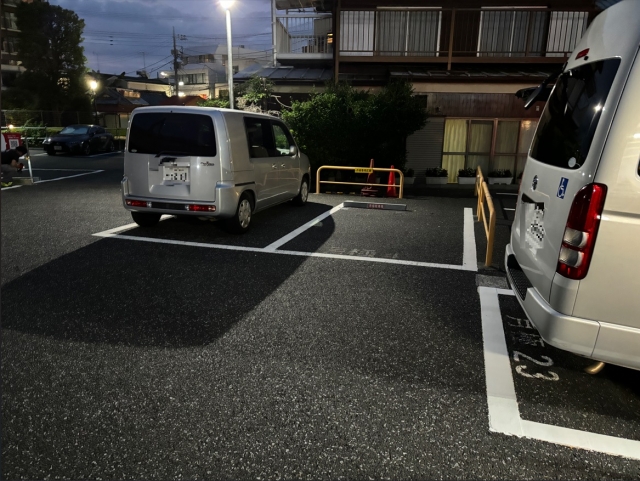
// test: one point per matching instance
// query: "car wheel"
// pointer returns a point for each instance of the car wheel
(145, 219)
(51, 152)
(86, 149)
(239, 223)
(111, 146)
(303, 195)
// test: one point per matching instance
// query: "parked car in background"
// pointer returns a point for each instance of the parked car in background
(206, 162)
(79, 139)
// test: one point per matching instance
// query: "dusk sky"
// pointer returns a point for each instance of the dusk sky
(118, 32)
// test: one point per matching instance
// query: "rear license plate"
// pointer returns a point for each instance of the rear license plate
(180, 174)
(534, 218)
(57, 147)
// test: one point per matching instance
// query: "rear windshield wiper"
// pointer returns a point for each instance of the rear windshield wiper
(172, 152)
(540, 93)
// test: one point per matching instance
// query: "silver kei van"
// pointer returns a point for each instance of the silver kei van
(213, 163)
(573, 258)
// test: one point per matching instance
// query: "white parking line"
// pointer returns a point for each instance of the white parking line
(506, 193)
(12, 187)
(113, 235)
(469, 256)
(506, 208)
(283, 240)
(65, 170)
(69, 176)
(504, 415)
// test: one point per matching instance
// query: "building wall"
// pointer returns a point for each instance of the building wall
(8, 43)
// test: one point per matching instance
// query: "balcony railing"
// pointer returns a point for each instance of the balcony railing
(304, 36)
(461, 35)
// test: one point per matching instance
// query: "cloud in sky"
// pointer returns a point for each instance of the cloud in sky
(118, 32)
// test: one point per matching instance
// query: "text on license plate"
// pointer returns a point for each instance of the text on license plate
(176, 173)
(57, 147)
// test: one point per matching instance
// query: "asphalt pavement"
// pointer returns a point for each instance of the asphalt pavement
(356, 349)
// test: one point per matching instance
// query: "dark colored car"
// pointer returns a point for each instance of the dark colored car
(79, 139)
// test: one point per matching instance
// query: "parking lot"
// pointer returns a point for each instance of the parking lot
(329, 342)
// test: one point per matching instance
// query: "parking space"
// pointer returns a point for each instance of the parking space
(426, 233)
(538, 391)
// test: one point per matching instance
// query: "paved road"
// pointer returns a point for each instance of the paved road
(357, 350)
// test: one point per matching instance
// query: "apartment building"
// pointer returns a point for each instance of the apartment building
(203, 71)
(468, 58)
(11, 64)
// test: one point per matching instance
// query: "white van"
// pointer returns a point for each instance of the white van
(208, 162)
(572, 260)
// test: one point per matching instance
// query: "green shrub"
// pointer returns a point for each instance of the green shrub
(468, 172)
(500, 173)
(346, 127)
(436, 172)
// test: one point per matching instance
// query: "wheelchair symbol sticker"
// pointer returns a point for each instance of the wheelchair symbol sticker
(562, 188)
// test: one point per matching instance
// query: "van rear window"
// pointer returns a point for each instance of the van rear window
(166, 132)
(569, 122)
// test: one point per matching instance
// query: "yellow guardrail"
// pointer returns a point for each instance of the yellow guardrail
(482, 191)
(360, 170)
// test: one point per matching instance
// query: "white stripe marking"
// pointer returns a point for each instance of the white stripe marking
(12, 187)
(66, 170)
(69, 177)
(115, 230)
(283, 240)
(104, 153)
(506, 193)
(504, 416)
(469, 257)
(506, 208)
(111, 234)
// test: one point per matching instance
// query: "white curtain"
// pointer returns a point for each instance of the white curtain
(455, 140)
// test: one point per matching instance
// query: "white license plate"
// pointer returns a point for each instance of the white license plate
(180, 174)
(535, 233)
(57, 147)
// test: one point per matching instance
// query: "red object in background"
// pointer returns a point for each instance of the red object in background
(391, 189)
(10, 141)
(370, 191)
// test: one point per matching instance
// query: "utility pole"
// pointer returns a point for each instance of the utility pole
(274, 33)
(175, 63)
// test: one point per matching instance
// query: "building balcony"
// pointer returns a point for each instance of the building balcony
(487, 35)
(304, 38)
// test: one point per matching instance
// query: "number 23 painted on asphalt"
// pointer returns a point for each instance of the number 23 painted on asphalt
(547, 361)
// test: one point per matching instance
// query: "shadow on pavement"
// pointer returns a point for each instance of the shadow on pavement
(147, 294)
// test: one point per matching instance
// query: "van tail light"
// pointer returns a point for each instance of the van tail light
(138, 203)
(580, 232)
(200, 208)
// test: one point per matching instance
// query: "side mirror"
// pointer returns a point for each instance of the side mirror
(293, 150)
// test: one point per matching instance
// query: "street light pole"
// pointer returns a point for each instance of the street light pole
(226, 4)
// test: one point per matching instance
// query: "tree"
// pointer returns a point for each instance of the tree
(344, 126)
(49, 46)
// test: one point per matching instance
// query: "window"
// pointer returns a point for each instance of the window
(570, 119)
(504, 33)
(10, 21)
(490, 144)
(260, 138)
(186, 134)
(390, 32)
(283, 139)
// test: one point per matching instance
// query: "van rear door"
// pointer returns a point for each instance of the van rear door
(172, 156)
(558, 166)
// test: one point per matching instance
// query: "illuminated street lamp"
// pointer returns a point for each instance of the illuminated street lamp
(226, 4)
(93, 85)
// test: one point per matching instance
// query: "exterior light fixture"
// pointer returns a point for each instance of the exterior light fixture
(226, 4)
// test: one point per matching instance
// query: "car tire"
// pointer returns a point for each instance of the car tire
(145, 219)
(240, 222)
(51, 153)
(111, 146)
(86, 149)
(303, 195)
